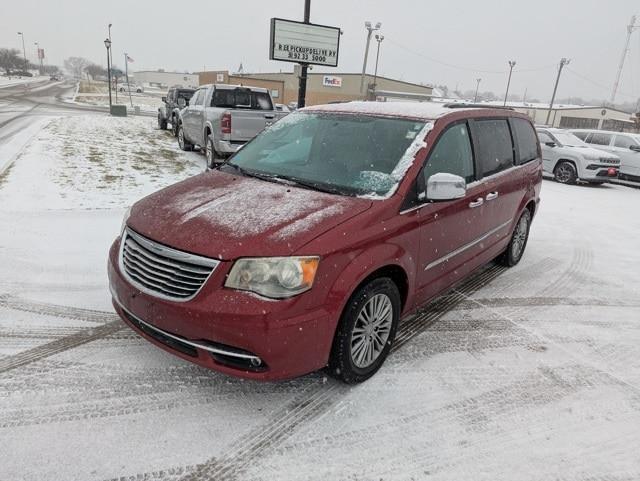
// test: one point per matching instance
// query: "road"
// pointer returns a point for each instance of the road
(518, 374)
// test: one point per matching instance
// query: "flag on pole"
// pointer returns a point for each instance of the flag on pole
(129, 59)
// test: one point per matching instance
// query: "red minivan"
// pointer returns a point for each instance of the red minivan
(310, 244)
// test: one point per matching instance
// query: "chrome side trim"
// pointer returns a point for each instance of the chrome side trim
(214, 350)
(460, 250)
(169, 253)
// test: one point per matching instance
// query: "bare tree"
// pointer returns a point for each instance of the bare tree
(10, 59)
(95, 70)
(51, 69)
(76, 65)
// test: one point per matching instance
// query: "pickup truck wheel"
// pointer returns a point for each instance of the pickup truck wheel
(162, 123)
(366, 331)
(174, 126)
(518, 242)
(565, 173)
(213, 158)
(182, 142)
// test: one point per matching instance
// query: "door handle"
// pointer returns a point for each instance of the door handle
(492, 195)
(477, 203)
(269, 116)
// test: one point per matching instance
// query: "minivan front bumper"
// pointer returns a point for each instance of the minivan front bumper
(234, 332)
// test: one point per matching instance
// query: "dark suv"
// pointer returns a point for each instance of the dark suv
(307, 248)
(177, 98)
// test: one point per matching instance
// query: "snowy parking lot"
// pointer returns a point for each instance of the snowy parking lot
(526, 373)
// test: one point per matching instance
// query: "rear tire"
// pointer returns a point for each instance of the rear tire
(182, 141)
(174, 126)
(565, 173)
(366, 331)
(518, 242)
(213, 157)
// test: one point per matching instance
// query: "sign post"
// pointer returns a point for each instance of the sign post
(304, 43)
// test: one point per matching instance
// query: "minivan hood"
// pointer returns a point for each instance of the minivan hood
(227, 216)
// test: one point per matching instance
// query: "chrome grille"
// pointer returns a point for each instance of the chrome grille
(161, 271)
(609, 160)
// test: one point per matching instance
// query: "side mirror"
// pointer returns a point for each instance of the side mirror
(164, 99)
(550, 144)
(635, 148)
(443, 186)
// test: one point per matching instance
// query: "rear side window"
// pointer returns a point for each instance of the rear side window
(527, 142)
(599, 139)
(494, 146)
(452, 154)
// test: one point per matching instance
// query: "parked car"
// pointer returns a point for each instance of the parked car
(570, 160)
(54, 78)
(624, 145)
(124, 87)
(221, 118)
(306, 248)
(177, 98)
(21, 73)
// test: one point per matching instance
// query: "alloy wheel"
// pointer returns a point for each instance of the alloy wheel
(520, 237)
(371, 330)
(564, 172)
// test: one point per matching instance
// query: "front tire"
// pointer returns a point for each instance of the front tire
(565, 173)
(162, 123)
(174, 126)
(518, 241)
(182, 141)
(366, 331)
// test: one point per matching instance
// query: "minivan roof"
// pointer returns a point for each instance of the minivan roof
(416, 110)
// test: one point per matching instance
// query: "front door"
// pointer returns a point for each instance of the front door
(625, 146)
(450, 231)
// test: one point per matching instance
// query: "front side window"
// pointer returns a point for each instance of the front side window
(544, 137)
(624, 141)
(599, 139)
(495, 148)
(527, 142)
(452, 154)
(581, 135)
(200, 98)
(344, 153)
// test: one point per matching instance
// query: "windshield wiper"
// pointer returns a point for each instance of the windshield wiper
(319, 186)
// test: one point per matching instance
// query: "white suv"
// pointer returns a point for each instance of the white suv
(623, 144)
(569, 159)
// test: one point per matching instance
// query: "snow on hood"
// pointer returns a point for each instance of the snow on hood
(226, 216)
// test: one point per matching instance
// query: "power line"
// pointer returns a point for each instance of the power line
(593, 82)
(466, 69)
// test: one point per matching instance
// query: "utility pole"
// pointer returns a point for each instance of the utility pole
(111, 60)
(370, 30)
(630, 28)
(24, 51)
(126, 74)
(475, 97)
(379, 39)
(563, 62)
(512, 63)
(302, 84)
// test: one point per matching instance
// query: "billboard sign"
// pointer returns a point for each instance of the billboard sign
(306, 43)
(331, 81)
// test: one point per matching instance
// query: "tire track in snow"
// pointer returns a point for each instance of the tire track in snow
(59, 345)
(77, 313)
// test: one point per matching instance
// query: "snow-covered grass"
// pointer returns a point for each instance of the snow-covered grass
(95, 161)
(13, 81)
(98, 95)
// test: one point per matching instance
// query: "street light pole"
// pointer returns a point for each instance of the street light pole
(475, 97)
(302, 81)
(379, 39)
(107, 43)
(512, 63)
(563, 62)
(24, 51)
(370, 30)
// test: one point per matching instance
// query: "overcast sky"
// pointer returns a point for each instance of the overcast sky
(450, 42)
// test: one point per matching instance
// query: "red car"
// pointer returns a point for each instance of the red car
(307, 248)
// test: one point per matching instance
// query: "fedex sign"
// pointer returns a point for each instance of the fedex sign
(330, 81)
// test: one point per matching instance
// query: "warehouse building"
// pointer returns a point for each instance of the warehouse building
(162, 79)
(323, 87)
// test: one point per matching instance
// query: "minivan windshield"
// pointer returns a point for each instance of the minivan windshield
(345, 153)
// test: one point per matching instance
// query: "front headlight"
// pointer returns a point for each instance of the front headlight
(592, 157)
(276, 277)
(127, 213)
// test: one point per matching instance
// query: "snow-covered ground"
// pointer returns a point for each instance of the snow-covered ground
(13, 81)
(527, 373)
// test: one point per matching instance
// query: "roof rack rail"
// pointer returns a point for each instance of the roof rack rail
(475, 106)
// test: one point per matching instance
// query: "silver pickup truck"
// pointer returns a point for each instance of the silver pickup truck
(221, 118)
